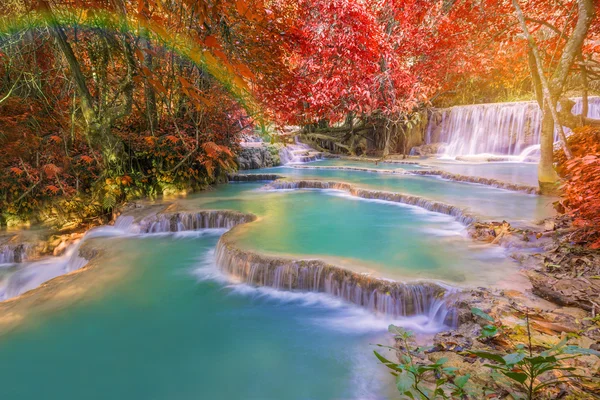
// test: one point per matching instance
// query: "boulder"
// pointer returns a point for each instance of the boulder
(256, 157)
(428, 149)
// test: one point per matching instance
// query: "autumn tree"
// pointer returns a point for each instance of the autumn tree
(550, 77)
(110, 100)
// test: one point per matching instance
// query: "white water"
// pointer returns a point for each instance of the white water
(14, 254)
(298, 153)
(23, 277)
(348, 318)
(484, 130)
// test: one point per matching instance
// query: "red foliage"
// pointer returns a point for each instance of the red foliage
(581, 196)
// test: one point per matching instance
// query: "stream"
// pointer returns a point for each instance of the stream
(177, 326)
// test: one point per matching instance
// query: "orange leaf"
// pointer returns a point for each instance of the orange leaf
(211, 41)
(52, 188)
(16, 171)
(51, 170)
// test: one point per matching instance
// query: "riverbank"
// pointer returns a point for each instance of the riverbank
(561, 305)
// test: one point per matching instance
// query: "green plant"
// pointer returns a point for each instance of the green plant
(529, 369)
(525, 367)
(412, 376)
(488, 330)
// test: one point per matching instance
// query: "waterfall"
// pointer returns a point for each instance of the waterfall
(511, 129)
(11, 254)
(29, 275)
(190, 221)
(381, 296)
(378, 295)
(298, 153)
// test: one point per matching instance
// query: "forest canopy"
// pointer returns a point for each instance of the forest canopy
(104, 101)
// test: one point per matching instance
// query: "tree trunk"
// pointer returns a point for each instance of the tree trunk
(547, 177)
(149, 94)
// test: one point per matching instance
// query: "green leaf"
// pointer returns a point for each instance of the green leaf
(478, 312)
(399, 332)
(516, 376)
(489, 356)
(391, 365)
(580, 350)
(513, 358)
(497, 367)
(489, 331)
(460, 381)
(404, 382)
(449, 370)
(541, 360)
(442, 361)
(557, 347)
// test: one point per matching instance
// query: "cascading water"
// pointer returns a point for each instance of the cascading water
(509, 129)
(298, 153)
(23, 277)
(394, 197)
(389, 298)
(14, 254)
(381, 296)
(190, 221)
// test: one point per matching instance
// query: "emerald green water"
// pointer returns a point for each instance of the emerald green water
(487, 202)
(514, 172)
(174, 327)
(168, 332)
(386, 239)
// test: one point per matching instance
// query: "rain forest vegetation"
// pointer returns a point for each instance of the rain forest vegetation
(106, 101)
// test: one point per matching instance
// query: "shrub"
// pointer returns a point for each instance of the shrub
(581, 190)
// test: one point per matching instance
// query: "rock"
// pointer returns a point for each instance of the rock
(257, 157)
(457, 340)
(566, 291)
(549, 225)
(428, 149)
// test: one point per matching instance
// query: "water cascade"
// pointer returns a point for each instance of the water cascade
(381, 296)
(252, 177)
(423, 172)
(378, 295)
(29, 275)
(510, 129)
(394, 197)
(19, 253)
(298, 153)
(191, 221)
